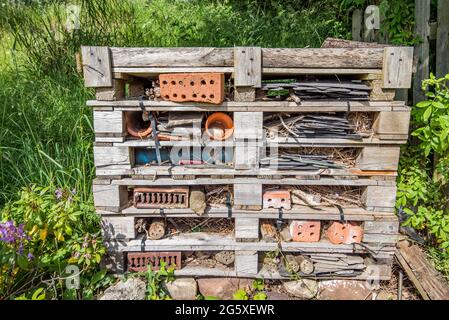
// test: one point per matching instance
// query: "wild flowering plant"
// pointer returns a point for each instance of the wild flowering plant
(45, 231)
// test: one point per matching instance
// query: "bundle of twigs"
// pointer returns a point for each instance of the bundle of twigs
(216, 196)
(345, 196)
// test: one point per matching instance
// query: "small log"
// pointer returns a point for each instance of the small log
(225, 257)
(305, 264)
(156, 230)
(268, 231)
(291, 264)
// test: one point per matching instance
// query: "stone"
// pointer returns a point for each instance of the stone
(221, 288)
(182, 289)
(132, 289)
(304, 288)
(343, 290)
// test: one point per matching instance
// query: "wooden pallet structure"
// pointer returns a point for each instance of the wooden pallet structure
(121, 75)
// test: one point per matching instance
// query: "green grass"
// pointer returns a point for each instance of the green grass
(46, 129)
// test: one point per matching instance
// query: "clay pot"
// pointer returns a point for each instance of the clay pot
(219, 126)
(136, 126)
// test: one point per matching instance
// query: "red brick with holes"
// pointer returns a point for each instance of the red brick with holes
(196, 87)
(305, 231)
(140, 261)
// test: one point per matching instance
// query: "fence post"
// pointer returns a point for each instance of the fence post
(442, 48)
(357, 25)
(422, 30)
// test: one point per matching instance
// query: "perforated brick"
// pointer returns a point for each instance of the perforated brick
(140, 261)
(346, 233)
(196, 87)
(305, 231)
(277, 199)
(161, 197)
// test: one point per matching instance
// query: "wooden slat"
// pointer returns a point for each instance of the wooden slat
(397, 67)
(109, 122)
(174, 57)
(369, 58)
(247, 67)
(297, 212)
(251, 181)
(421, 53)
(378, 158)
(442, 48)
(248, 196)
(420, 271)
(96, 67)
(250, 106)
(246, 263)
(112, 197)
(396, 123)
(247, 229)
(379, 196)
(113, 157)
(218, 242)
(155, 71)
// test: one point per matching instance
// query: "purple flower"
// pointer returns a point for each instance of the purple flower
(58, 193)
(11, 234)
(30, 256)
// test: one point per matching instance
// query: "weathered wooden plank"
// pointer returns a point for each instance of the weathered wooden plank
(248, 125)
(118, 227)
(378, 158)
(397, 67)
(96, 67)
(380, 238)
(379, 196)
(381, 227)
(356, 25)
(217, 242)
(247, 67)
(369, 58)
(174, 57)
(246, 155)
(247, 229)
(114, 197)
(297, 212)
(251, 181)
(246, 263)
(143, 72)
(442, 48)
(392, 123)
(113, 157)
(111, 122)
(427, 280)
(422, 49)
(248, 196)
(251, 105)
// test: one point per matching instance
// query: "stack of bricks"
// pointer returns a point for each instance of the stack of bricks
(367, 232)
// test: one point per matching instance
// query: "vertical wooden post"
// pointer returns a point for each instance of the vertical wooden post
(442, 49)
(421, 53)
(357, 25)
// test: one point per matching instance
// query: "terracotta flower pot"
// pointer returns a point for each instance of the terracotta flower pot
(136, 126)
(219, 126)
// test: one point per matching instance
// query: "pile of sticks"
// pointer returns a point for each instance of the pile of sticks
(312, 126)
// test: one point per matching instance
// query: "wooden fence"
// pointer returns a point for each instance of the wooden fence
(428, 31)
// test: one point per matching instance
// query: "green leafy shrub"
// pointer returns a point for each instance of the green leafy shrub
(423, 186)
(50, 229)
